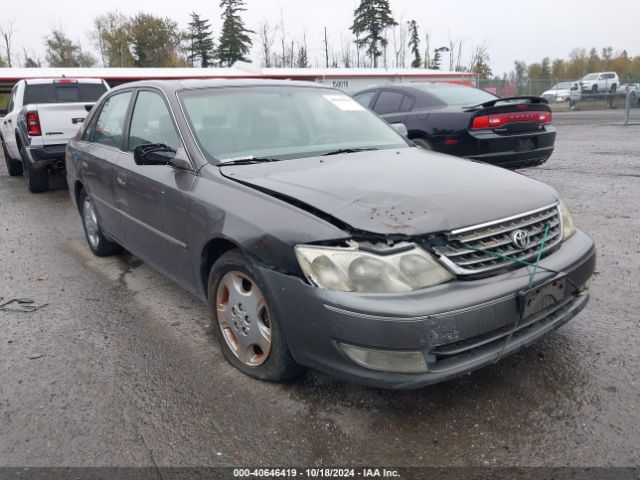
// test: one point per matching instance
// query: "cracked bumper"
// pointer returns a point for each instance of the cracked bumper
(477, 314)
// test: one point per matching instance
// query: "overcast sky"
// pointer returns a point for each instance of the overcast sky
(511, 30)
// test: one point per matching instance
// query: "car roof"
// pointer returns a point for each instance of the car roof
(186, 84)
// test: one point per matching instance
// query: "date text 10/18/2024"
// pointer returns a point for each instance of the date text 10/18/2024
(315, 472)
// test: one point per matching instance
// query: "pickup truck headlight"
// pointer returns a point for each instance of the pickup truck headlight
(568, 228)
(349, 269)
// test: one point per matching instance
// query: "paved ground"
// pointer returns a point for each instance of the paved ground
(129, 373)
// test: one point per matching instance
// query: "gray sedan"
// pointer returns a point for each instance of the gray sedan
(321, 237)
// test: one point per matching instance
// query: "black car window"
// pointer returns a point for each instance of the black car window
(63, 93)
(110, 123)
(365, 99)
(151, 122)
(388, 102)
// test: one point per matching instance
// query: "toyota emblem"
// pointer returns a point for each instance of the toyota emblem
(520, 239)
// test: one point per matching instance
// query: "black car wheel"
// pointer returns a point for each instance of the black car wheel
(37, 180)
(614, 87)
(14, 167)
(98, 243)
(247, 328)
(594, 89)
(422, 143)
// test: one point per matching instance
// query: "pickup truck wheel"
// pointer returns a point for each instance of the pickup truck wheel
(244, 321)
(14, 167)
(422, 143)
(37, 180)
(98, 243)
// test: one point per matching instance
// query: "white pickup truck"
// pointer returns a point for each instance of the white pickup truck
(42, 116)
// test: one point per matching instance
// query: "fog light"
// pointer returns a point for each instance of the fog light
(397, 361)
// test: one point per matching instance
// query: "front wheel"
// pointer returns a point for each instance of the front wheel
(594, 89)
(245, 322)
(98, 243)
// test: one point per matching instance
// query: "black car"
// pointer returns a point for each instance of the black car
(467, 122)
(322, 238)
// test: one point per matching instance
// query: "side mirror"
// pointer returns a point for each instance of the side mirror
(153, 154)
(401, 128)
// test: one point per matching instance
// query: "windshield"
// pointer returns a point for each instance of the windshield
(591, 76)
(562, 86)
(450, 94)
(63, 93)
(282, 122)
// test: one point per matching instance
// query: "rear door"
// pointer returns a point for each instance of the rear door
(9, 124)
(154, 199)
(101, 150)
(393, 105)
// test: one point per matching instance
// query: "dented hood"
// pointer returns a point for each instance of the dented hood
(401, 191)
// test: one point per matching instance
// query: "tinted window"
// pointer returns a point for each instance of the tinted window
(388, 102)
(63, 93)
(366, 98)
(110, 123)
(449, 94)
(151, 122)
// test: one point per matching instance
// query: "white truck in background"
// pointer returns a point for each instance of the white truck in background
(42, 116)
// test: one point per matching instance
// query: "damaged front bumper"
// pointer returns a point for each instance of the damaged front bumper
(457, 326)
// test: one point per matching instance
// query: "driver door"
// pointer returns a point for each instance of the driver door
(154, 199)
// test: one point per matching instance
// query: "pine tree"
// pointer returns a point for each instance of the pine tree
(414, 44)
(235, 41)
(371, 19)
(200, 42)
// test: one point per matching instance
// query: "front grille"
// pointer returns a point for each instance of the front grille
(461, 253)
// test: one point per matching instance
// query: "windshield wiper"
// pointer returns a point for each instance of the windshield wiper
(249, 161)
(348, 150)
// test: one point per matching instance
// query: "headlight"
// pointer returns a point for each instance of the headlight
(567, 222)
(351, 270)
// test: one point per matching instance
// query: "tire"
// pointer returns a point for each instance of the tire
(98, 243)
(594, 89)
(422, 143)
(37, 180)
(251, 338)
(614, 87)
(14, 167)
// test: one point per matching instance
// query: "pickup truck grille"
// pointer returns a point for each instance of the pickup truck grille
(461, 253)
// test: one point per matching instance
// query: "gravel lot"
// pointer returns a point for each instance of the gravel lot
(128, 373)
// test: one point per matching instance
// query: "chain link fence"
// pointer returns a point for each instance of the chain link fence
(568, 95)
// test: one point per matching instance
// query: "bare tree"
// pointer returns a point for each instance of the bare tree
(427, 51)
(283, 41)
(266, 35)
(6, 32)
(399, 43)
(326, 48)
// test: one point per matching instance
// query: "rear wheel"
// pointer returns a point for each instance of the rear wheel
(14, 167)
(245, 323)
(614, 87)
(98, 243)
(37, 180)
(422, 143)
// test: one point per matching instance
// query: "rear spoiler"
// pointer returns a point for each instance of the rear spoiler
(492, 103)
